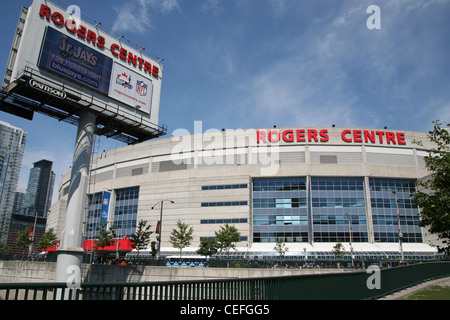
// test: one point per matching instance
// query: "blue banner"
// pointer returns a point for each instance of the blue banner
(75, 61)
(106, 199)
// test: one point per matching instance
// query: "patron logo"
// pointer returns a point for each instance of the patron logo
(45, 88)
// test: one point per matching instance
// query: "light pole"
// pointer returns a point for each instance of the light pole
(350, 240)
(400, 234)
(160, 224)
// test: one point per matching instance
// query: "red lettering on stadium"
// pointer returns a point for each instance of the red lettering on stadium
(348, 135)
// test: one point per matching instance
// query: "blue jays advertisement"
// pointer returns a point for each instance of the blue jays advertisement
(76, 61)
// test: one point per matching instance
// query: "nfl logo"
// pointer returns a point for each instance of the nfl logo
(141, 88)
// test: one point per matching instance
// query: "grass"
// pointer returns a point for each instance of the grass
(431, 293)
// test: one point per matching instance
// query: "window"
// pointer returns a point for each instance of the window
(280, 210)
(223, 221)
(384, 210)
(226, 186)
(224, 204)
(338, 205)
(125, 212)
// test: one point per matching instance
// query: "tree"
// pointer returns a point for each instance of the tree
(105, 236)
(23, 239)
(338, 250)
(227, 237)
(433, 192)
(281, 248)
(5, 249)
(208, 247)
(181, 237)
(141, 238)
(48, 239)
(153, 249)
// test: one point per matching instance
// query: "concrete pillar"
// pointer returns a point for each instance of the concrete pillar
(70, 251)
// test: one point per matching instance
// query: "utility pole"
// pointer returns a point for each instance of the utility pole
(400, 234)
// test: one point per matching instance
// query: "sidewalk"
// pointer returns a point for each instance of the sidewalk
(408, 291)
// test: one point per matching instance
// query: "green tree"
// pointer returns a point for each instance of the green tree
(227, 237)
(433, 192)
(338, 250)
(153, 249)
(105, 237)
(281, 248)
(141, 238)
(48, 240)
(208, 247)
(181, 238)
(23, 239)
(5, 249)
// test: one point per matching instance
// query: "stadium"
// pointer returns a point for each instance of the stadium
(309, 187)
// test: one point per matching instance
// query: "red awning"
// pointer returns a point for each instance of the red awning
(89, 245)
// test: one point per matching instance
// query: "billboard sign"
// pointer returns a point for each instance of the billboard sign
(131, 88)
(76, 61)
(64, 50)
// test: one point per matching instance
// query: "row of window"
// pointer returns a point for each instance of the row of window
(338, 202)
(279, 203)
(327, 184)
(341, 184)
(225, 186)
(279, 184)
(242, 238)
(272, 237)
(224, 204)
(390, 185)
(340, 236)
(408, 237)
(222, 221)
(335, 219)
(386, 220)
(391, 203)
(267, 220)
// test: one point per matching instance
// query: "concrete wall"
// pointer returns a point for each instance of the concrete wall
(26, 272)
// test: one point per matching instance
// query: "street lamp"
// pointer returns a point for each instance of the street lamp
(350, 240)
(400, 234)
(160, 224)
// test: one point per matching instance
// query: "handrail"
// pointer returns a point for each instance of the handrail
(352, 285)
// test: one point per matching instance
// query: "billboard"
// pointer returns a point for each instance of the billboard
(65, 53)
(131, 88)
(76, 61)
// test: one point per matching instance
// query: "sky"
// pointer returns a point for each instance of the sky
(240, 64)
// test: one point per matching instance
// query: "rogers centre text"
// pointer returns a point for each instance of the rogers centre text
(348, 135)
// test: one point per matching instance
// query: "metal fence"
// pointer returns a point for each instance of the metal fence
(342, 286)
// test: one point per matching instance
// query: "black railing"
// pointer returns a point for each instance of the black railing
(344, 286)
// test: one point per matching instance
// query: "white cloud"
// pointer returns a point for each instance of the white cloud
(278, 8)
(136, 16)
(212, 6)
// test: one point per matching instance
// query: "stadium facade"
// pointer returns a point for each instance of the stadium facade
(310, 187)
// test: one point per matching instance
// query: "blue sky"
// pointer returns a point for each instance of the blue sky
(258, 63)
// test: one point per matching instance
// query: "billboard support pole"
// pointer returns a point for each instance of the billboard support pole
(70, 251)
